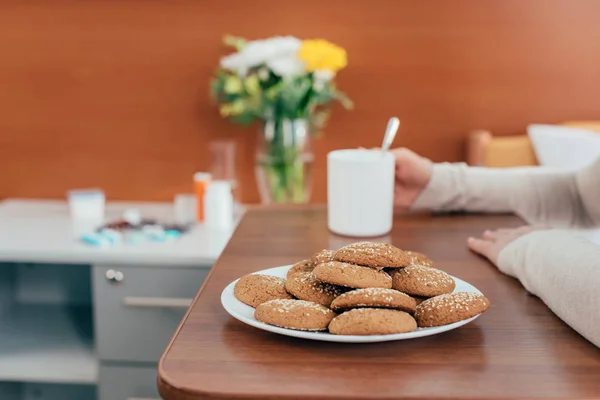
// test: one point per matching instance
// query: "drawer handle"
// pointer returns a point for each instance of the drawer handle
(156, 302)
(114, 276)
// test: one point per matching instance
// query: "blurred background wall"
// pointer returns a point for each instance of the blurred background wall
(114, 94)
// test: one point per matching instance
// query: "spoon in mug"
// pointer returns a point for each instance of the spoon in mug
(390, 134)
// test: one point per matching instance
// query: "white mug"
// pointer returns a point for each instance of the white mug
(360, 192)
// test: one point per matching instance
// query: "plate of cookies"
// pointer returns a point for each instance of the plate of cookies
(361, 293)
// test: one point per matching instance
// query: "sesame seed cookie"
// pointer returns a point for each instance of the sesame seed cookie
(304, 286)
(449, 308)
(420, 259)
(373, 254)
(372, 321)
(322, 256)
(422, 281)
(255, 289)
(374, 297)
(294, 314)
(353, 276)
(301, 266)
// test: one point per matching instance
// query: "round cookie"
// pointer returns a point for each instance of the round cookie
(372, 321)
(301, 266)
(449, 308)
(304, 286)
(420, 259)
(373, 254)
(322, 256)
(422, 281)
(374, 297)
(294, 314)
(353, 276)
(255, 289)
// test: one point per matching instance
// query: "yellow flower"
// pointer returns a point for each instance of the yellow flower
(252, 85)
(235, 108)
(233, 84)
(319, 54)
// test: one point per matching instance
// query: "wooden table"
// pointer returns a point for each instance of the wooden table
(517, 350)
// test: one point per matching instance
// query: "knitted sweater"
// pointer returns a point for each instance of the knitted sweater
(559, 266)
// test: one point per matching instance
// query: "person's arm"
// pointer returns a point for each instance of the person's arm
(563, 270)
(538, 195)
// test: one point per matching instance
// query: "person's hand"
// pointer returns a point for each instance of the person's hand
(492, 242)
(413, 173)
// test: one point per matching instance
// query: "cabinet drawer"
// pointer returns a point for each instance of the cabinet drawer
(127, 383)
(137, 309)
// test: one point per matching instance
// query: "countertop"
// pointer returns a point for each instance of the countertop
(518, 349)
(42, 231)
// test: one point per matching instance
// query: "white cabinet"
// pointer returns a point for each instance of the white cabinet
(64, 334)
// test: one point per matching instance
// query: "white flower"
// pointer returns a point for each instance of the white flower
(258, 52)
(287, 66)
(321, 77)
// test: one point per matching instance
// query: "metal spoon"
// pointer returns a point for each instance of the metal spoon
(390, 134)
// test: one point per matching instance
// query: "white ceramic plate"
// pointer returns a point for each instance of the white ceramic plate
(245, 313)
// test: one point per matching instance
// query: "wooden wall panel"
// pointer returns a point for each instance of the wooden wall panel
(114, 93)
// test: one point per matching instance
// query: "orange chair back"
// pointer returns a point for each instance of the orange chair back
(484, 149)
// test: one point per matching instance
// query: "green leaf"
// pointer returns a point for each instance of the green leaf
(243, 119)
(344, 100)
(318, 121)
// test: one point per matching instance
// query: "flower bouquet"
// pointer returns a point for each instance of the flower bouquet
(288, 85)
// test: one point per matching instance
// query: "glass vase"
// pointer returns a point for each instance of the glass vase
(284, 161)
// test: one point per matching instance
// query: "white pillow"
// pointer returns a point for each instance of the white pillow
(564, 147)
(593, 235)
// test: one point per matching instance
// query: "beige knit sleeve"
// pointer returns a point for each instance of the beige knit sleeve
(563, 270)
(536, 194)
